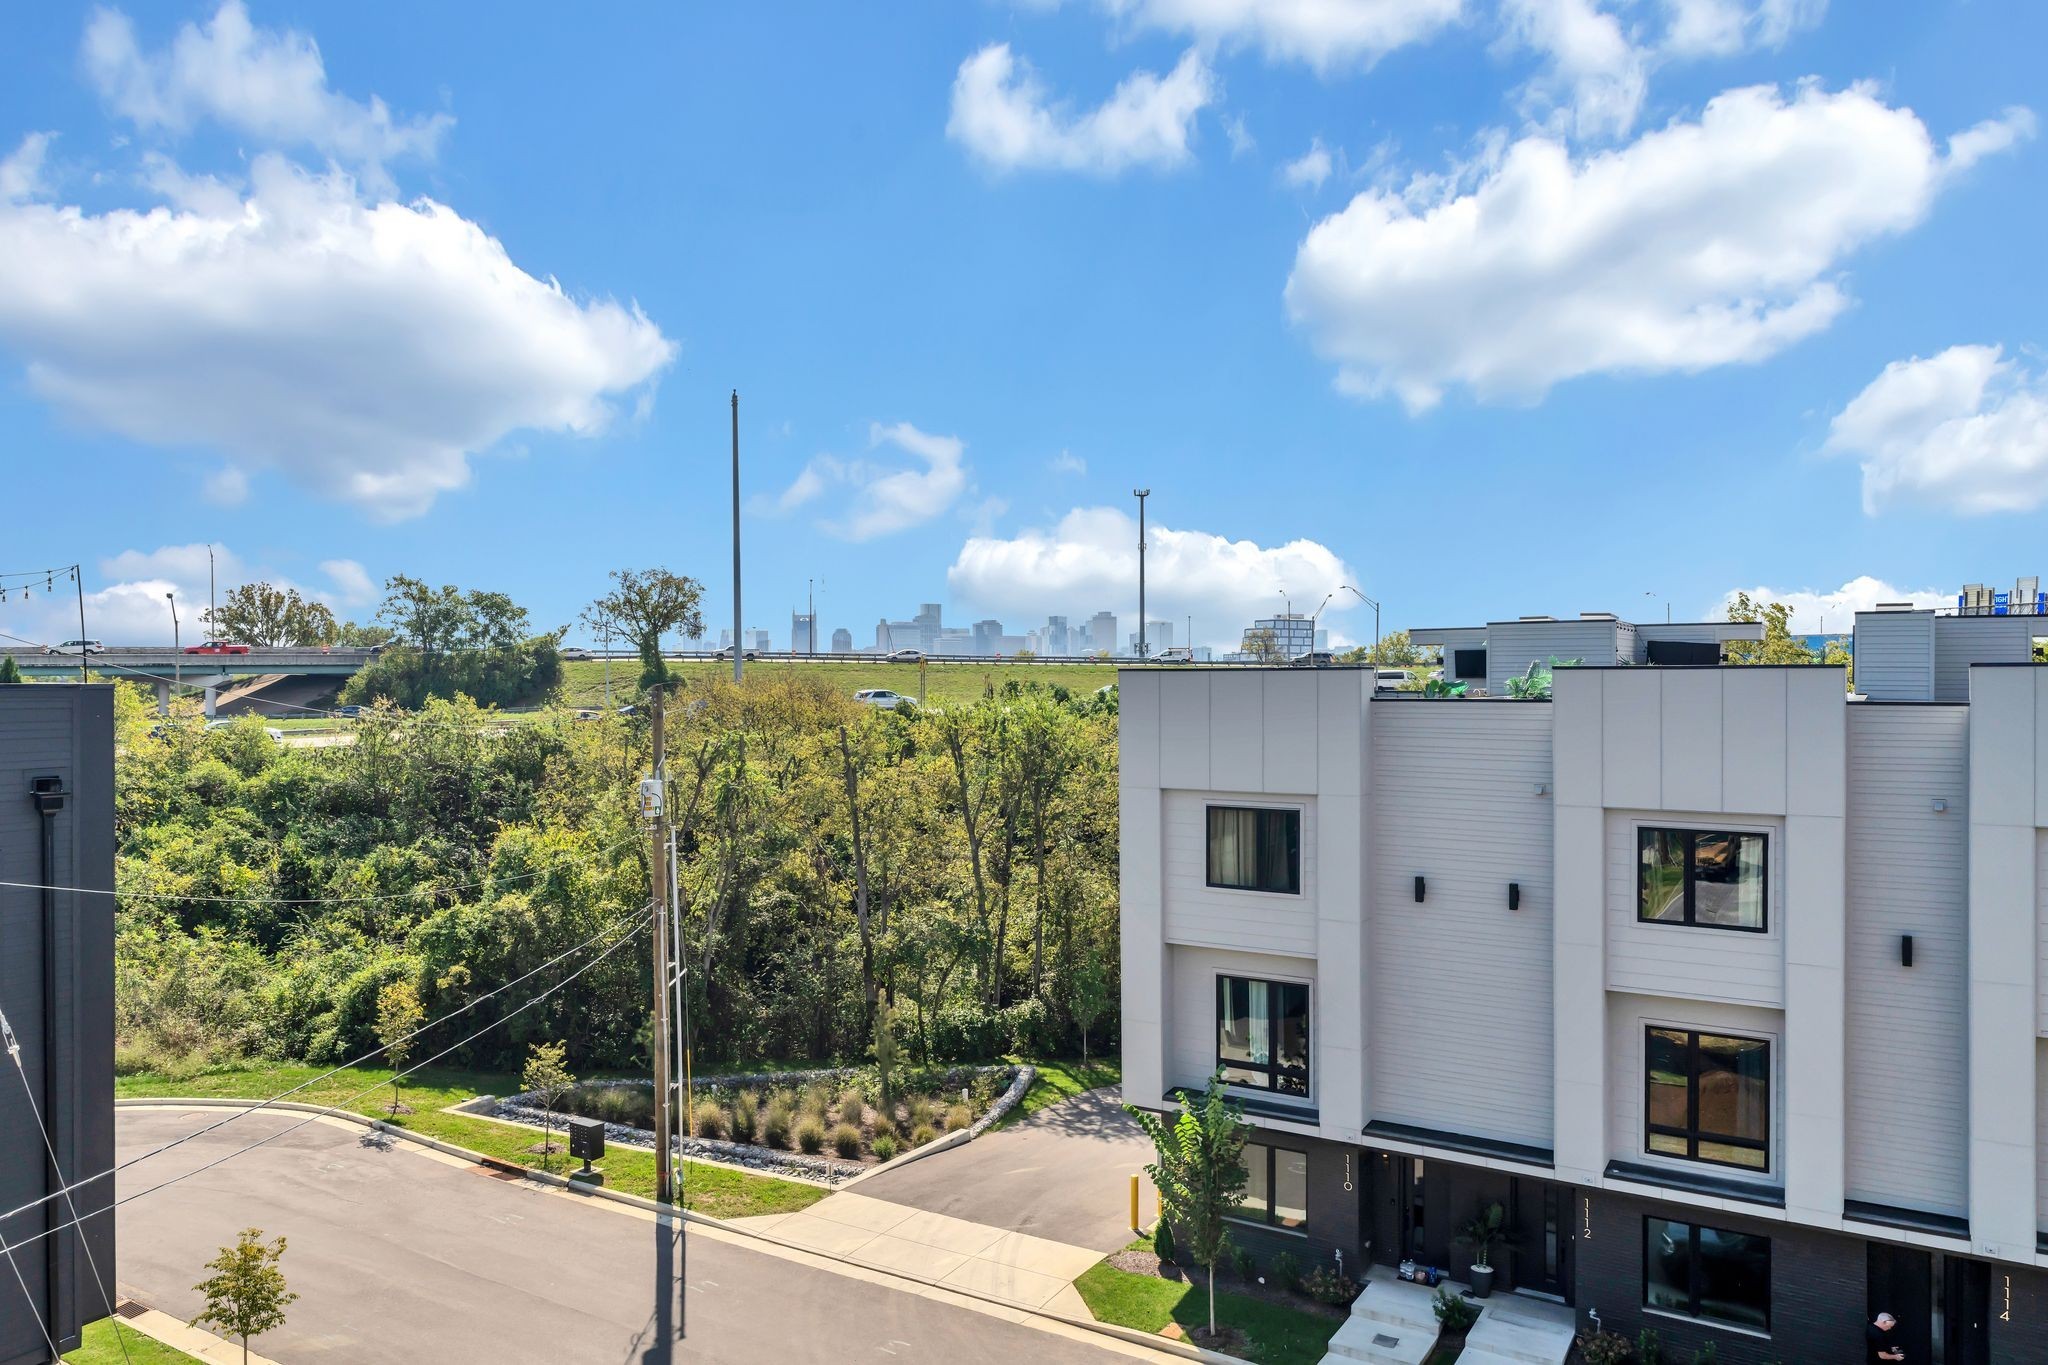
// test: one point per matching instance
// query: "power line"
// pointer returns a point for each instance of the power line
(613, 947)
(453, 1014)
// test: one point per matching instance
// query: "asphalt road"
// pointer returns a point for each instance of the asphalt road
(1063, 1174)
(398, 1256)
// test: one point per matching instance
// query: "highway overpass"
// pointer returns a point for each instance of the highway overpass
(207, 672)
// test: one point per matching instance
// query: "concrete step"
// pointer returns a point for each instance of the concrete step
(1515, 1330)
(1398, 1302)
(1379, 1343)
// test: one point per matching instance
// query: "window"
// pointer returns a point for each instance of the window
(1276, 1190)
(1709, 1098)
(1255, 849)
(1706, 1273)
(1711, 878)
(1262, 1034)
(1468, 664)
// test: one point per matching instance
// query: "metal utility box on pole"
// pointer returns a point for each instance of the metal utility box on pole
(654, 809)
(739, 648)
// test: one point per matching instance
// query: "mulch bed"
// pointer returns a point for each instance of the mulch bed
(1148, 1263)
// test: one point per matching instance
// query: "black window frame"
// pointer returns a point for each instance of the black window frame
(1287, 817)
(1692, 1133)
(1275, 1012)
(1691, 1312)
(1692, 837)
(1469, 664)
(1269, 1216)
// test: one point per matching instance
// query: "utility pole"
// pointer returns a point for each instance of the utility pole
(1140, 494)
(177, 652)
(654, 807)
(811, 606)
(212, 606)
(739, 649)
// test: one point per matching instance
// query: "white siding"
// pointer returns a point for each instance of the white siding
(1191, 1011)
(1960, 641)
(1207, 916)
(2041, 1126)
(2041, 927)
(1628, 1016)
(1460, 986)
(1895, 655)
(1908, 1027)
(1683, 960)
(1511, 646)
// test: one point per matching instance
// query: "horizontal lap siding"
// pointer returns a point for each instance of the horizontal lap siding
(1511, 646)
(1682, 960)
(1908, 1027)
(1460, 986)
(1960, 641)
(1895, 656)
(1197, 913)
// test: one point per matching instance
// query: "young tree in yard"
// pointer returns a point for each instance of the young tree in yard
(548, 1078)
(643, 606)
(1200, 1173)
(245, 1295)
(398, 1017)
(1090, 996)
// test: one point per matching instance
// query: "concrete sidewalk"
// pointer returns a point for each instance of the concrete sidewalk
(1012, 1266)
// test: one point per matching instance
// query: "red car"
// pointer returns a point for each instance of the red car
(217, 647)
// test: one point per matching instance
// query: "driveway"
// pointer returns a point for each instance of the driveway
(1064, 1174)
(403, 1255)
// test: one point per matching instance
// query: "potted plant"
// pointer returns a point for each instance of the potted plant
(1487, 1229)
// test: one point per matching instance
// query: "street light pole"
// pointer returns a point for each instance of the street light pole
(1140, 494)
(177, 651)
(212, 606)
(1375, 628)
(1314, 617)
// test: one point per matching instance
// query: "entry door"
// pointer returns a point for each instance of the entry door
(1966, 1311)
(1902, 1284)
(1538, 1215)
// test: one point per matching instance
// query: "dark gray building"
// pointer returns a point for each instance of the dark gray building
(57, 989)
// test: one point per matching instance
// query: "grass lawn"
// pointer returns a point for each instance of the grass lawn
(1277, 1335)
(1059, 1079)
(712, 1190)
(944, 684)
(103, 1348)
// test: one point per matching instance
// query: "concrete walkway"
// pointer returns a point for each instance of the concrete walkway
(1394, 1323)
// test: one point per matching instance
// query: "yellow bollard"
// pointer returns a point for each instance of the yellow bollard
(1134, 1204)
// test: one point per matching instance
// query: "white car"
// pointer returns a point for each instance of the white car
(276, 735)
(880, 696)
(1179, 654)
(726, 654)
(76, 647)
(906, 656)
(576, 652)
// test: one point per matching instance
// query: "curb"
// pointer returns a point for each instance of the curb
(1131, 1335)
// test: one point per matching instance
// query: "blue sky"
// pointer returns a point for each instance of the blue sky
(1582, 300)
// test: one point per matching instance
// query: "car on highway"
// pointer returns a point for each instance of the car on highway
(217, 647)
(348, 712)
(276, 735)
(726, 654)
(906, 656)
(76, 647)
(1315, 658)
(880, 696)
(1179, 654)
(577, 653)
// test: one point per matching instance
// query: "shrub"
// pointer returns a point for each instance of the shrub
(710, 1119)
(1456, 1312)
(846, 1141)
(745, 1118)
(1325, 1284)
(1708, 1354)
(1286, 1271)
(810, 1136)
(917, 1113)
(884, 1146)
(1243, 1264)
(921, 1134)
(817, 1101)
(958, 1116)
(852, 1108)
(966, 1032)
(775, 1123)
(1648, 1348)
(1032, 1029)
(1603, 1348)
(1162, 1242)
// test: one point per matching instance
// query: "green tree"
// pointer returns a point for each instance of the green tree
(399, 1016)
(1262, 645)
(10, 671)
(263, 614)
(643, 606)
(1779, 645)
(1090, 993)
(246, 1294)
(361, 634)
(1200, 1173)
(547, 1078)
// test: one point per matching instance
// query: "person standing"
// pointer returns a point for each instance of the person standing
(1885, 1349)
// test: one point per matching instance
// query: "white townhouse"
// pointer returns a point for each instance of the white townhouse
(1731, 987)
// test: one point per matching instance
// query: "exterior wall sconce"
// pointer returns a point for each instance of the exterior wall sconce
(1940, 804)
(1905, 950)
(1514, 895)
(1543, 789)
(1418, 889)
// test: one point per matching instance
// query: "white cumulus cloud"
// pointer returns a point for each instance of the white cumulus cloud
(1597, 75)
(1004, 116)
(1723, 28)
(1815, 611)
(1323, 34)
(1309, 170)
(873, 498)
(1089, 562)
(270, 84)
(21, 170)
(1964, 431)
(365, 350)
(1713, 242)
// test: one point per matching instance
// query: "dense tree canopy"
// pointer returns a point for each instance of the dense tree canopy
(263, 614)
(444, 643)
